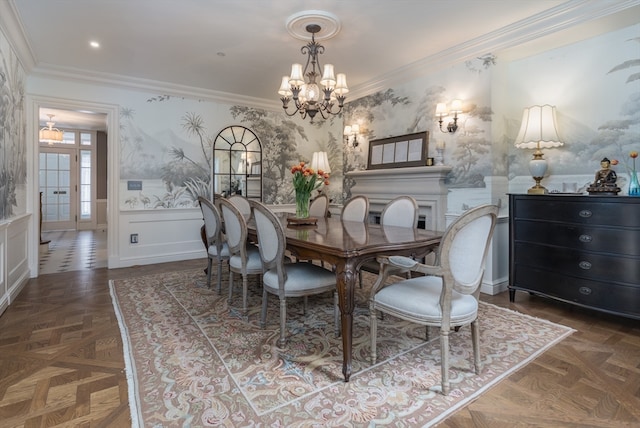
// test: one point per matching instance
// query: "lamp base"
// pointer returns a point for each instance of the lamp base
(537, 190)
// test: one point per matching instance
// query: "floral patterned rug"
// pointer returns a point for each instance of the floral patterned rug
(194, 360)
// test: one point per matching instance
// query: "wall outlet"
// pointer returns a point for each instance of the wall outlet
(133, 238)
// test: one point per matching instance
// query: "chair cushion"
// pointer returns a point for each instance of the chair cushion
(254, 263)
(419, 299)
(301, 278)
(224, 251)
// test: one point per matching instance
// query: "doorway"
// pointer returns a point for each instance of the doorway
(72, 181)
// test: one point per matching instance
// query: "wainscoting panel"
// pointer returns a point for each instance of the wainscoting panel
(161, 235)
(14, 266)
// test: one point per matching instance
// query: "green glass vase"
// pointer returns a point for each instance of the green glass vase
(302, 204)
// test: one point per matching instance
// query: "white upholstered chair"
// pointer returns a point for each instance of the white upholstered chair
(286, 279)
(244, 259)
(242, 204)
(355, 209)
(217, 248)
(319, 206)
(402, 212)
(447, 296)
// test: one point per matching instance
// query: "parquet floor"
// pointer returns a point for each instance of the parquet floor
(61, 362)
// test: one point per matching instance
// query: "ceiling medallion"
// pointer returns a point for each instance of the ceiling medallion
(329, 25)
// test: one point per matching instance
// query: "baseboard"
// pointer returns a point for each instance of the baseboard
(494, 287)
(149, 260)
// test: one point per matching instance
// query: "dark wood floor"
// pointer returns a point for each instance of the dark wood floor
(61, 362)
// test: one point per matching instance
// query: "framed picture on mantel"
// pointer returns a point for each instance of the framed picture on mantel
(399, 152)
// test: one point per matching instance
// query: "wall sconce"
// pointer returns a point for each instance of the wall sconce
(442, 111)
(539, 129)
(351, 133)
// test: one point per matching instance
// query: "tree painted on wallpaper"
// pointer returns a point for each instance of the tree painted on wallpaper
(148, 158)
(279, 150)
(13, 161)
(471, 152)
(623, 134)
(367, 110)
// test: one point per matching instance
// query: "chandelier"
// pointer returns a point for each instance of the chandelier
(49, 134)
(308, 98)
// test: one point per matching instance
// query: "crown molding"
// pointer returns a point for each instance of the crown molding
(153, 86)
(13, 30)
(559, 18)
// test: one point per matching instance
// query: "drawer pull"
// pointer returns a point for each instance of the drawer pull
(585, 238)
(584, 290)
(585, 213)
(584, 265)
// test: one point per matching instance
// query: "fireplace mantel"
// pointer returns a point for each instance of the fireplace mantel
(424, 183)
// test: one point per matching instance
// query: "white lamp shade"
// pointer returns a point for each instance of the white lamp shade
(456, 106)
(355, 128)
(539, 128)
(285, 87)
(296, 78)
(320, 162)
(341, 84)
(328, 78)
(347, 130)
(441, 110)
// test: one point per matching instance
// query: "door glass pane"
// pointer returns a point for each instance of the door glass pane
(55, 183)
(68, 138)
(85, 184)
(85, 139)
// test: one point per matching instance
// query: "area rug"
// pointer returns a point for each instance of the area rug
(193, 358)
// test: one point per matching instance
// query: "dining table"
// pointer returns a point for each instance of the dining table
(345, 245)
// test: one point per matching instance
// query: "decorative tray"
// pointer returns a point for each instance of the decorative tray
(295, 221)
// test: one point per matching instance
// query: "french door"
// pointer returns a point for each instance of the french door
(58, 184)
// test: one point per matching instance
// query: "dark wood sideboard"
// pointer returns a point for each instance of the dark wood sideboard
(583, 250)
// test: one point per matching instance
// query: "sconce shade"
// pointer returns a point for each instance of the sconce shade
(347, 130)
(456, 106)
(441, 109)
(320, 161)
(539, 128)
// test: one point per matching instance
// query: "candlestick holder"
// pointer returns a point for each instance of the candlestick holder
(439, 157)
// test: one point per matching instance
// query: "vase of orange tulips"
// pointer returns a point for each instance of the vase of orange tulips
(305, 181)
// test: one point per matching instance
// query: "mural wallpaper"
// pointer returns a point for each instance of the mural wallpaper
(595, 85)
(174, 162)
(411, 108)
(603, 120)
(13, 161)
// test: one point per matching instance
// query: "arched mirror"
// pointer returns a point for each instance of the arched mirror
(237, 163)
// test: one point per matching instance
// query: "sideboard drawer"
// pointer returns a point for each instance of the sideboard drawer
(593, 211)
(583, 264)
(583, 237)
(593, 294)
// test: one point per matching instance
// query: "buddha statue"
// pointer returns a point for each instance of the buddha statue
(605, 180)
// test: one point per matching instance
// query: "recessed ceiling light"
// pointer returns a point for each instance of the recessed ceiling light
(94, 44)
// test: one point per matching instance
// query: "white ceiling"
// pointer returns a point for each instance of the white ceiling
(242, 47)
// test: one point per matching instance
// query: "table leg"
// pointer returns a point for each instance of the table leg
(346, 280)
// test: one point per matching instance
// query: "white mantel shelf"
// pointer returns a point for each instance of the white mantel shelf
(424, 183)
